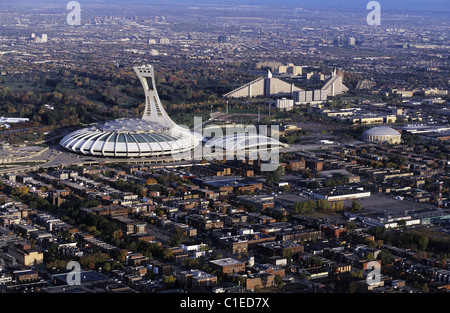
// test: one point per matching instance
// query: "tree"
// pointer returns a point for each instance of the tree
(169, 280)
(377, 231)
(323, 204)
(118, 234)
(302, 207)
(401, 223)
(167, 255)
(177, 238)
(278, 280)
(65, 234)
(288, 254)
(107, 267)
(150, 181)
(356, 206)
(18, 191)
(385, 256)
(91, 203)
(370, 256)
(315, 261)
(422, 243)
(122, 255)
(350, 226)
(357, 274)
(273, 177)
(340, 205)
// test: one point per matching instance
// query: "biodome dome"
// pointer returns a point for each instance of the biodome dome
(155, 134)
(382, 134)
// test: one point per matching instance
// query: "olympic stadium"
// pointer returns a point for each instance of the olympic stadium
(152, 135)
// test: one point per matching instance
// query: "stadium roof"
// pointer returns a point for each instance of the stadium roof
(381, 131)
(155, 134)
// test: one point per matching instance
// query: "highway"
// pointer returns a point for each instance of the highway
(57, 156)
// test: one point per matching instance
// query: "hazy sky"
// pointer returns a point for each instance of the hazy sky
(309, 4)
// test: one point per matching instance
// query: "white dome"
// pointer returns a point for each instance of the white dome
(382, 134)
(155, 134)
(125, 140)
(381, 131)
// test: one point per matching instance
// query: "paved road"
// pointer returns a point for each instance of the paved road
(57, 156)
(160, 234)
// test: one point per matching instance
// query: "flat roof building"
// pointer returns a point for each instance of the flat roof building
(338, 194)
(196, 278)
(228, 265)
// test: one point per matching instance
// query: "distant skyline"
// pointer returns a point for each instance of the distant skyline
(443, 5)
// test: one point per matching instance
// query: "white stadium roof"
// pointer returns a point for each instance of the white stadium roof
(155, 134)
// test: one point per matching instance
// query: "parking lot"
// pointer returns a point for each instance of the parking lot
(386, 203)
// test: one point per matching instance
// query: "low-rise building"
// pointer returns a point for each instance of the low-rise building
(279, 248)
(25, 255)
(23, 276)
(228, 265)
(196, 278)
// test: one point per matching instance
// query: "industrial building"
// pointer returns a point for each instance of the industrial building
(338, 194)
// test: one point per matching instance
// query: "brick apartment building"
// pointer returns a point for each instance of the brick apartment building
(279, 248)
(196, 278)
(24, 254)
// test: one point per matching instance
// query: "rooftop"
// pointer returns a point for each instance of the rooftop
(381, 131)
(226, 262)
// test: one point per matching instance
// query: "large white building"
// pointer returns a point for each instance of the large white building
(290, 69)
(385, 220)
(155, 134)
(338, 194)
(382, 134)
(333, 87)
(284, 104)
(264, 86)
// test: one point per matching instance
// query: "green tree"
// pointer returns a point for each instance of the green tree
(278, 280)
(357, 274)
(107, 267)
(288, 254)
(167, 255)
(302, 207)
(401, 223)
(340, 205)
(323, 204)
(350, 226)
(422, 243)
(385, 256)
(273, 177)
(177, 238)
(315, 261)
(356, 206)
